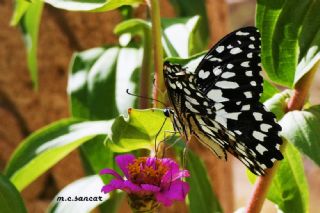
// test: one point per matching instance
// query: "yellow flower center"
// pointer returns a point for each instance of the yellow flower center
(140, 173)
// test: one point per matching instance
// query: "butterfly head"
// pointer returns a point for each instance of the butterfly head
(168, 112)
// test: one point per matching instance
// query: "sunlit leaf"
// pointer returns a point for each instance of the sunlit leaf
(98, 81)
(181, 36)
(91, 6)
(10, 198)
(192, 8)
(45, 147)
(139, 131)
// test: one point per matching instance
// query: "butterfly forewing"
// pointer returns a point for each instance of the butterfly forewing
(218, 102)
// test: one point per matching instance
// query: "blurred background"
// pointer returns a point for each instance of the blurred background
(23, 110)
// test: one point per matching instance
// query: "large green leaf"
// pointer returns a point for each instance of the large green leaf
(87, 187)
(98, 81)
(29, 24)
(290, 33)
(91, 5)
(139, 131)
(10, 198)
(302, 129)
(289, 189)
(201, 197)
(96, 156)
(47, 146)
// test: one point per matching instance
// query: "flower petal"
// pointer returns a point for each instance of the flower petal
(123, 161)
(131, 187)
(124, 185)
(173, 171)
(150, 188)
(110, 172)
(181, 174)
(113, 185)
(176, 191)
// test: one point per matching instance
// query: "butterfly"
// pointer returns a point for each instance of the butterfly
(218, 102)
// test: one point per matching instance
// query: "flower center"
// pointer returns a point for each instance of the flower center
(145, 170)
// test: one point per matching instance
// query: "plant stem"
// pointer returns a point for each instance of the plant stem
(296, 102)
(145, 70)
(159, 87)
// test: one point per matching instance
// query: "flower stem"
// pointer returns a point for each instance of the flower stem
(296, 102)
(159, 87)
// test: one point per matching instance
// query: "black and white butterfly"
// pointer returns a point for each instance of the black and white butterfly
(218, 102)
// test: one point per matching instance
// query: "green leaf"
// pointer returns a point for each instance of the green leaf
(290, 43)
(20, 8)
(96, 156)
(29, 24)
(181, 36)
(87, 187)
(278, 103)
(91, 5)
(268, 91)
(47, 146)
(289, 189)
(10, 198)
(98, 81)
(201, 197)
(302, 129)
(139, 131)
(132, 26)
(191, 8)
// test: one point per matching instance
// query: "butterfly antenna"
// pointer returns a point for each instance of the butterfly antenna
(140, 96)
(158, 133)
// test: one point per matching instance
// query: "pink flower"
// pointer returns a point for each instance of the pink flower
(152, 177)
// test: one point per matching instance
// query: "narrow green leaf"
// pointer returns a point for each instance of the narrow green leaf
(91, 6)
(29, 24)
(84, 188)
(288, 40)
(289, 189)
(302, 129)
(139, 130)
(98, 81)
(10, 198)
(132, 26)
(20, 8)
(201, 197)
(47, 146)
